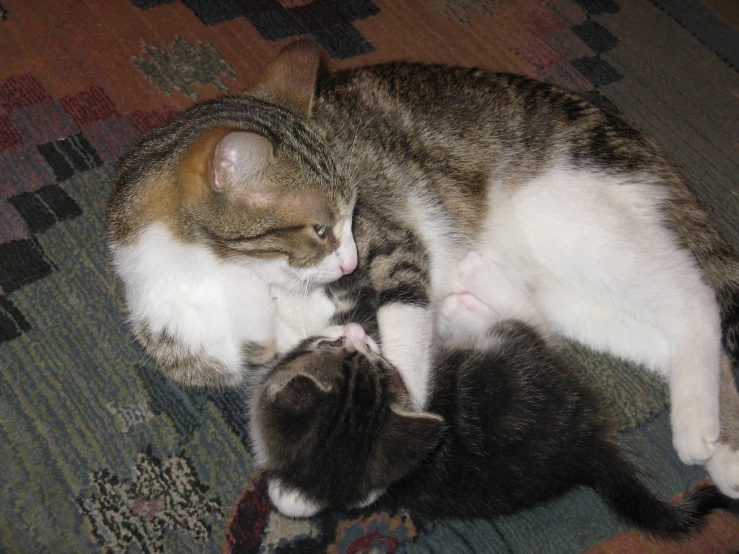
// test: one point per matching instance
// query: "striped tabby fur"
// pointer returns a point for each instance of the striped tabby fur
(583, 209)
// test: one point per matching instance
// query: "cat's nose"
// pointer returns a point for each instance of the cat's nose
(347, 266)
(356, 335)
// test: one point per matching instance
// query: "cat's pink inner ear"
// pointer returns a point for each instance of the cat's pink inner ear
(291, 76)
(239, 159)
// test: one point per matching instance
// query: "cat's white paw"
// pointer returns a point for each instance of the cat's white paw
(290, 502)
(469, 267)
(723, 468)
(695, 432)
(465, 312)
(486, 279)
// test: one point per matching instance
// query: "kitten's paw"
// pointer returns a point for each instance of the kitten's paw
(694, 433)
(290, 502)
(467, 313)
(723, 468)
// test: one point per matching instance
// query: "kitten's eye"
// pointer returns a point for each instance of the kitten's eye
(331, 343)
(320, 230)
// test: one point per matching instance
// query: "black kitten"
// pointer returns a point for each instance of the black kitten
(509, 424)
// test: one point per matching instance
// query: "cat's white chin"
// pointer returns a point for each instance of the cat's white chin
(278, 273)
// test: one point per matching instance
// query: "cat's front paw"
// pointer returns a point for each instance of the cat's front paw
(290, 502)
(723, 468)
(464, 312)
(695, 432)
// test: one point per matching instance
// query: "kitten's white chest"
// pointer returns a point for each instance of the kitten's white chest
(300, 316)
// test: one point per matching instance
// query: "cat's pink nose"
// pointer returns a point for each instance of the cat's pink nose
(348, 266)
(355, 333)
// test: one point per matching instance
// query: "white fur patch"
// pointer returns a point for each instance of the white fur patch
(604, 270)
(290, 502)
(184, 289)
(300, 316)
(405, 334)
(369, 499)
(438, 233)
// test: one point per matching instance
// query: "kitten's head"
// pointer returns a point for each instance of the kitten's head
(272, 198)
(332, 426)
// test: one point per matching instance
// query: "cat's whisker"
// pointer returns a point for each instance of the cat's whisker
(305, 306)
(360, 128)
(354, 141)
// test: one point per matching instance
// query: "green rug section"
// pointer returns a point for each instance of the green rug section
(81, 408)
(631, 394)
(573, 523)
(98, 453)
(78, 408)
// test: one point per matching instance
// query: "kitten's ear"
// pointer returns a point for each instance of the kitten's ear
(239, 157)
(407, 438)
(291, 77)
(298, 394)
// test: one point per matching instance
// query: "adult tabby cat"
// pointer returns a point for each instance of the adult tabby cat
(508, 425)
(249, 197)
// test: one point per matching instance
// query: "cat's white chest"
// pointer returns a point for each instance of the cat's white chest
(300, 316)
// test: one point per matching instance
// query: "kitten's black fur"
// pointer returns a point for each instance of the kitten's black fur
(518, 426)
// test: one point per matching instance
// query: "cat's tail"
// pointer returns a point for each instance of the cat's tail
(622, 483)
(728, 297)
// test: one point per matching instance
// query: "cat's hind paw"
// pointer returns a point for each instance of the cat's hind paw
(486, 279)
(723, 468)
(694, 434)
(290, 502)
(466, 313)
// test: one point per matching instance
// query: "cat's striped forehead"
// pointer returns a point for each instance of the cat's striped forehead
(167, 169)
(292, 136)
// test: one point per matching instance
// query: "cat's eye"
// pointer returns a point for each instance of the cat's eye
(320, 230)
(331, 343)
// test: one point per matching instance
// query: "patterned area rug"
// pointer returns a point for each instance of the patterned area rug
(99, 454)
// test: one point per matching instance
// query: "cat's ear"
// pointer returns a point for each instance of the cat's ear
(291, 77)
(408, 437)
(238, 159)
(299, 394)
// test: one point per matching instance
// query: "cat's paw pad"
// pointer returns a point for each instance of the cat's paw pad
(694, 434)
(465, 311)
(723, 468)
(469, 278)
(470, 265)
